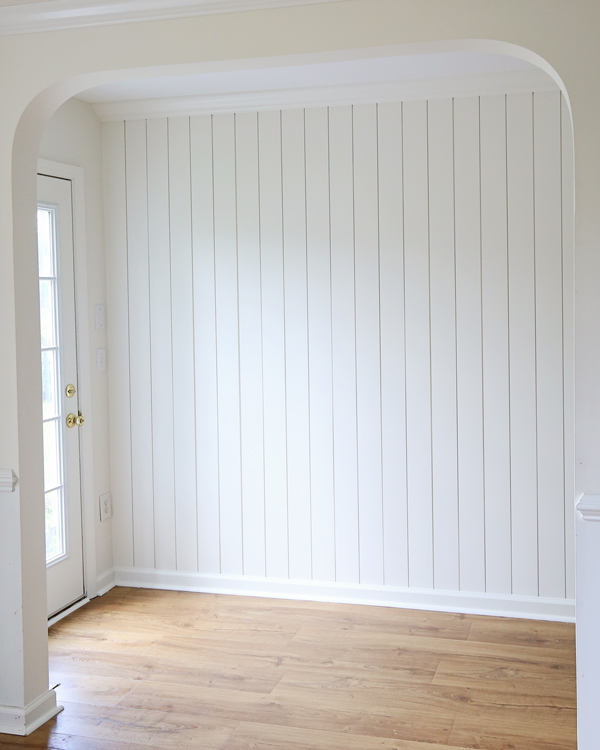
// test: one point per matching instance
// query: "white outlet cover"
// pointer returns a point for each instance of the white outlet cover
(105, 506)
(101, 359)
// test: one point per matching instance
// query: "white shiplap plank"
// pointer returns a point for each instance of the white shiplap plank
(494, 274)
(115, 206)
(251, 394)
(468, 345)
(160, 330)
(273, 311)
(549, 343)
(443, 347)
(139, 344)
(519, 137)
(205, 351)
(296, 343)
(368, 383)
(418, 342)
(228, 376)
(319, 316)
(183, 344)
(393, 415)
(345, 456)
(568, 333)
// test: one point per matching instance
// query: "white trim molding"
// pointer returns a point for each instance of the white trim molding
(54, 15)
(8, 480)
(508, 82)
(24, 721)
(533, 608)
(105, 582)
(589, 507)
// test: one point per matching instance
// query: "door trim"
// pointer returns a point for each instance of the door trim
(88, 503)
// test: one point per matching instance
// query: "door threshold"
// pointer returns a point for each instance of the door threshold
(67, 610)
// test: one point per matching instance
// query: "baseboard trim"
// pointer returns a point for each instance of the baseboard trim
(535, 608)
(105, 582)
(24, 721)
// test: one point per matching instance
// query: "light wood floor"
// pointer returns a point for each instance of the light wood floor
(160, 669)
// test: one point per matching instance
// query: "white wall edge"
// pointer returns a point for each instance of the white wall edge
(54, 15)
(8, 480)
(24, 721)
(88, 505)
(105, 582)
(589, 507)
(512, 82)
(499, 605)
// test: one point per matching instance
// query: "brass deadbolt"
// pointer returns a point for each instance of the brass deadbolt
(70, 390)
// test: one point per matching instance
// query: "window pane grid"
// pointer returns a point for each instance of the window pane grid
(53, 489)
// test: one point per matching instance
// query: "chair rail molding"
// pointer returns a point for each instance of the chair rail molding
(589, 507)
(54, 15)
(8, 480)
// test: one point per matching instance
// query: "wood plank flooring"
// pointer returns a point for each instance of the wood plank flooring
(164, 669)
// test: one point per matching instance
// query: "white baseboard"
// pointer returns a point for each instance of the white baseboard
(105, 582)
(24, 721)
(534, 608)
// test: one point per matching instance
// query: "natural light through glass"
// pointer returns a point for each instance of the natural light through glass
(52, 415)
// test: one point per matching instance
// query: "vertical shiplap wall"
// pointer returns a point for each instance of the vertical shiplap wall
(340, 344)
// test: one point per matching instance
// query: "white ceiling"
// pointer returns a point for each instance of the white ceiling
(349, 72)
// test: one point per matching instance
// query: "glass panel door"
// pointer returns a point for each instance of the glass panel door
(62, 420)
(53, 429)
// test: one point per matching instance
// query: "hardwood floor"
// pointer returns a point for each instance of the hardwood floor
(163, 669)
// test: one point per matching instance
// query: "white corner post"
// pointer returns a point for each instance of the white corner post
(18, 714)
(588, 621)
(26, 702)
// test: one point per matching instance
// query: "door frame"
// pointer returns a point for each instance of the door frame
(82, 338)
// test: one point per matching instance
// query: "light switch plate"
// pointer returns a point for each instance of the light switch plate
(105, 506)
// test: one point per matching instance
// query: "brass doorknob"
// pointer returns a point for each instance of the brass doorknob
(73, 420)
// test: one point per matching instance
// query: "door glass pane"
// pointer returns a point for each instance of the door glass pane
(45, 241)
(49, 384)
(47, 311)
(52, 472)
(53, 426)
(54, 525)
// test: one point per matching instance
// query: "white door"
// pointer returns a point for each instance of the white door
(61, 417)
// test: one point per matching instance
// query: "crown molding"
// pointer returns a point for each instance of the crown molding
(589, 507)
(8, 480)
(54, 15)
(522, 81)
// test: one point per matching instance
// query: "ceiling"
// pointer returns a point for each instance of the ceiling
(342, 73)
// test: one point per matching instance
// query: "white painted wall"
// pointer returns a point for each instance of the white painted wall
(74, 136)
(338, 351)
